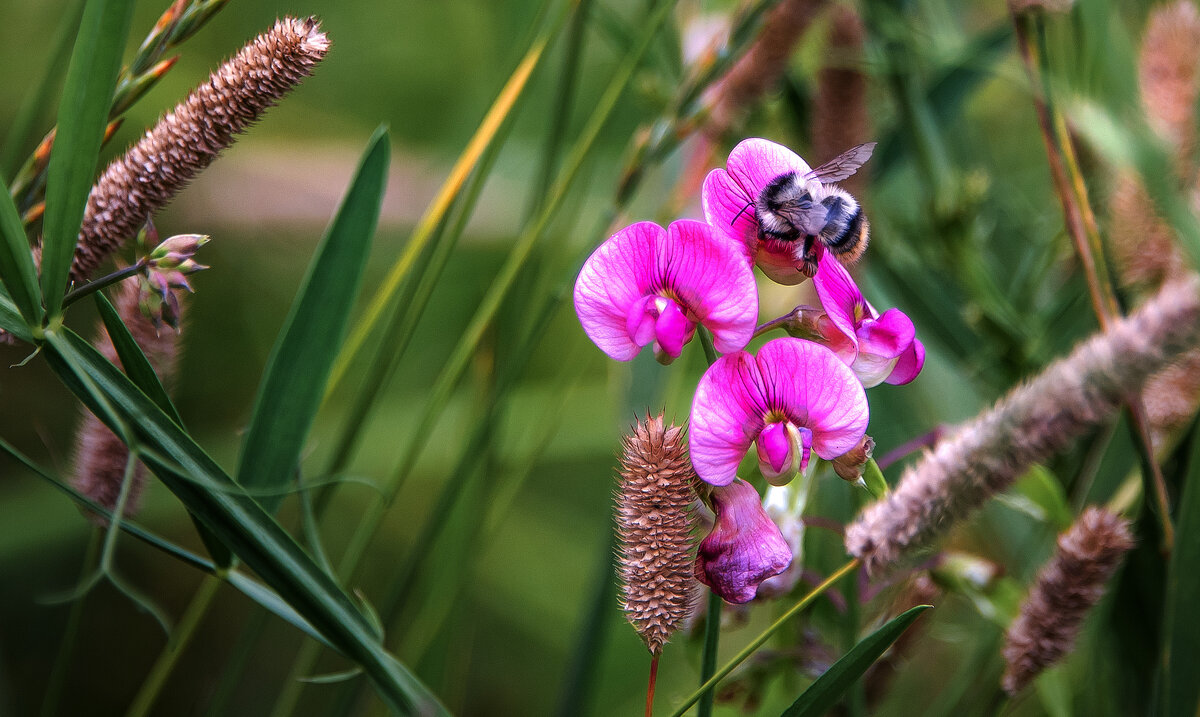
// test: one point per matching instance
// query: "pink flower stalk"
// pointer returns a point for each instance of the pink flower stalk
(794, 398)
(877, 348)
(744, 547)
(729, 196)
(647, 285)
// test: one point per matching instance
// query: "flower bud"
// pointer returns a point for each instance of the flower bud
(744, 547)
(849, 466)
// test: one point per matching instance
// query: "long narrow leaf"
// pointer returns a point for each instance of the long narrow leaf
(294, 383)
(11, 319)
(241, 523)
(139, 370)
(82, 116)
(16, 261)
(137, 366)
(823, 694)
(1181, 630)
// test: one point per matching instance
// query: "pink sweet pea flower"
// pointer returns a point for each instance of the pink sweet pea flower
(794, 398)
(647, 285)
(877, 348)
(729, 195)
(744, 547)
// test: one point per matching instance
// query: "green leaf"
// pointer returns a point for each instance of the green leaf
(82, 116)
(823, 694)
(11, 319)
(299, 366)
(16, 262)
(239, 521)
(139, 370)
(1181, 629)
(133, 360)
(1040, 496)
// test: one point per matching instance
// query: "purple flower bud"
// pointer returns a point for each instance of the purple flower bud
(175, 253)
(744, 547)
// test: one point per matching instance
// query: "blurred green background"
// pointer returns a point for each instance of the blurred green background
(967, 240)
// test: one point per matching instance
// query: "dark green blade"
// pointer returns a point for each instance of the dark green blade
(298, 369)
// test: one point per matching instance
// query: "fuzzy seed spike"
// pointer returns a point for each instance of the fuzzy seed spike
(1066, 589)
(187, 139)
(655, 528)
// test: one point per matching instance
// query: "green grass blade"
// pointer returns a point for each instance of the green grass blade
(296, 373)
(137, 367)
(16, 262)
(11, 319)
(1181, 629)
(139, 370)
(38, 98)
(240, 523)
(822, 695)
(82, 116)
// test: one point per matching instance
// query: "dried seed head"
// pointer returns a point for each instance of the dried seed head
(1032, 423)
(761, 66)
(100, 455)
(840, 118)
(1169, 71)
(189, 138)
(655, 527)
(1066, 588)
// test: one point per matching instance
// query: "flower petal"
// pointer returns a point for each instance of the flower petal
(614, 277)
(889, 336)
(727, 415)
(730, 210)
(712, 280)
(910, 364)
(744, 548)
(756, 162)
(839, 296)
(816, 390)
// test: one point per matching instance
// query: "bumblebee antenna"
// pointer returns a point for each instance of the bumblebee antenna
(740, 212)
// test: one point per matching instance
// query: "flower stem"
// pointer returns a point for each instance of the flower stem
(93, 286)
(1084, 232)
(766, 635)
(712, 636)
(650, 688)
(182, 636)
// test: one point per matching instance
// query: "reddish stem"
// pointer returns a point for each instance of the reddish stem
(650, 689)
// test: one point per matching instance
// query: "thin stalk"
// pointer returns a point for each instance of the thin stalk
(235, 667)
(66, 648)
(1081, 227)
(93, 286)
(766, 635)
(650, 686)
(192, 617)
(708, 664)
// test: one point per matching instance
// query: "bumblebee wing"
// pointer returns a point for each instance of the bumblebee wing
(843, 165)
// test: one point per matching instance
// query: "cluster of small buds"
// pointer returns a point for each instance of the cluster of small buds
(795, 401)
(165, 267)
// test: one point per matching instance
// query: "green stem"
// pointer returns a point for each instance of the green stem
(708, 666)
(766, 635)
(167, 659)
(66, 648)
(93, 286)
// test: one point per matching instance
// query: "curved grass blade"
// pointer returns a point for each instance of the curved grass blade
(822, 695)
(137, 367)
(1181, 629)
(296, 373)
(16, 262)
(82, 117)
(139, 370)
(241, 523)
(491, 124)
(11, 319)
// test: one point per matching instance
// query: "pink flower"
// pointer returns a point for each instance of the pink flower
(649, 285)
(729, 196)
(877, 348)
(794, 398)
(744, 547)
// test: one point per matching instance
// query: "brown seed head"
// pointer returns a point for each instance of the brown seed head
(840, 117)
(1066, 588)
(189, 138)
(1033, 422)
(655, 527)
